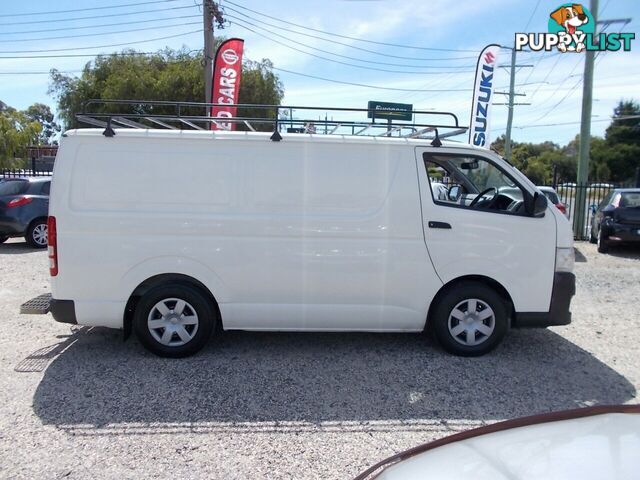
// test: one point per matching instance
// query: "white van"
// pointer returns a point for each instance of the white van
(179, 234)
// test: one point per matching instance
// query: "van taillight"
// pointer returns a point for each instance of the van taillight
(52, 237)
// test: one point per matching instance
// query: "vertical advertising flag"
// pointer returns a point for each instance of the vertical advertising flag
(227, 71)
(483, 89)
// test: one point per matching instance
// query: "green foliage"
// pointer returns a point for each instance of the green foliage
(613, 158)
(17, 131)
(259, 85)
(536, 160)
(171, 75)
(623, 141)
(41, 113)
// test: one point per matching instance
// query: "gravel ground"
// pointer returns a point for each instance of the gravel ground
(81, 403)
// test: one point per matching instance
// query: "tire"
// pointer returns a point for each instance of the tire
(603, 246)
(3, 239)
(173, 334)
(487, 322)
(37, 234)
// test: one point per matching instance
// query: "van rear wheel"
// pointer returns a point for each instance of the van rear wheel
(470, 319)
(174, 320)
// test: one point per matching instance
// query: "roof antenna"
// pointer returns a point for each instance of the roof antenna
(436, 141)
(108, 132)
(276, 137)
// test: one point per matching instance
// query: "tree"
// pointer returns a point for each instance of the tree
(623, 129)
(538, 160)
(623, 141)
(171, 75)
(613, 158)
(17, 131)
(41, 113)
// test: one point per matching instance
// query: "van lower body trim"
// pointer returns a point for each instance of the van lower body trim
(63, 311)
(564, 287)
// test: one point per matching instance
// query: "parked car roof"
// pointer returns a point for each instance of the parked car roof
(627, 190)
(30, 179)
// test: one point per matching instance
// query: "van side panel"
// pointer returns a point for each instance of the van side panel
(295, 235)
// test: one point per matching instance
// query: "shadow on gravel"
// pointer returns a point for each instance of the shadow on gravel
(15, 248)
(579, 256)
(624, 251)
(98, 381)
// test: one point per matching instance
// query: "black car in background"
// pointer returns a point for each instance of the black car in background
(617, 219)
(24, 206)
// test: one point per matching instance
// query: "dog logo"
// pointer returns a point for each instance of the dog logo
(571, 22)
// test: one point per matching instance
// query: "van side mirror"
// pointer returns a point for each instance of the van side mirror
(454, 193)
(536, 206)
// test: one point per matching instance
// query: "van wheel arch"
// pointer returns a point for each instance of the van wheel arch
(487, 281)
(158, 280)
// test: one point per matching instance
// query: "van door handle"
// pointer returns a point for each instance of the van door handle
(439, 225)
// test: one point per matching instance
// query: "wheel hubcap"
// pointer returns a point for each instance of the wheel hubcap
(40, 234)
(173, 322)
(471, 322)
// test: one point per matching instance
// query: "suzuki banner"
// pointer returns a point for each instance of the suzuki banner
(227, 71)
(483, 90)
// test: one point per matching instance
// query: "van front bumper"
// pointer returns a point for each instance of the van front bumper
(63, 311)
(564, 287)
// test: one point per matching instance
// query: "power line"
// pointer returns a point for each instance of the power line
(38, 73)
(535, 9)
(345, 63)
(98, 16)
(364, 85)
(336, 54)
(348, 37)
(84, 9)
(560, 55)
(99, 34)
(537, 62)
(336, 41)
(30, 14)
(99, 46)
(559, 124)
(84, 27)
(549, 74)
(74, 55)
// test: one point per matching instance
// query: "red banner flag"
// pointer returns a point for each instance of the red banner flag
(227, 71)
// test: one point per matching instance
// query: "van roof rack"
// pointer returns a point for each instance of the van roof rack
(144, 114)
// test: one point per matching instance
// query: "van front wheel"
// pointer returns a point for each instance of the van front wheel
(470, 319)
(174, 320)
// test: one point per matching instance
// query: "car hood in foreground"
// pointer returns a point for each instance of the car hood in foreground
(591, 443)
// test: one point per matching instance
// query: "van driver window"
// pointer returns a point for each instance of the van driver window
(472, 182)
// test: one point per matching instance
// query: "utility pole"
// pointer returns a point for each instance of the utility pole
(207, 18)
(585, 134)
(512, 85)
(511, 103)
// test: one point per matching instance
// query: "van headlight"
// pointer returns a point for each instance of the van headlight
(565, 258)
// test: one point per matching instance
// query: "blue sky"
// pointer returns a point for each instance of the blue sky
(552, 86)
